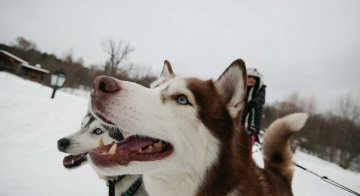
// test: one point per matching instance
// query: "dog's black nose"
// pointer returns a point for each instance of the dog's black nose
(106, 84)
(63, 143)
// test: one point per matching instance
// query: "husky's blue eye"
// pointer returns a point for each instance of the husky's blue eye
(182, 100)
(98, 131)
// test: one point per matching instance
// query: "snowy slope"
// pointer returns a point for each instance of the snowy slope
(30, 164)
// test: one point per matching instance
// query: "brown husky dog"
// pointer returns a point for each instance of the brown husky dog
(186, 137)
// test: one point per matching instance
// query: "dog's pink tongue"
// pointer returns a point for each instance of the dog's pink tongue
(68, 160)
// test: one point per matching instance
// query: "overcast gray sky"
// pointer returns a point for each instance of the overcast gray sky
(311, 47)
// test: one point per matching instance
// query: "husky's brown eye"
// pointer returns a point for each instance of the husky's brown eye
(98, 131)
(182, 100)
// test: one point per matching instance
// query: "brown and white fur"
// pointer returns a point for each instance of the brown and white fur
(208, 152)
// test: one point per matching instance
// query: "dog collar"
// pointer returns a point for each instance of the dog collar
(129, 192)
(133, 188)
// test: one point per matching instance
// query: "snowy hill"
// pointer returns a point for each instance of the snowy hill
(30, 164)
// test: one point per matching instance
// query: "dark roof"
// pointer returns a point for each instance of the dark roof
(14, 57)
(24, 63)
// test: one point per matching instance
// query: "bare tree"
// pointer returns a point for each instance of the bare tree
(348, 107)
(24, 44)
(349, 112)
(68, 56)
(306, 103)
(118, 52)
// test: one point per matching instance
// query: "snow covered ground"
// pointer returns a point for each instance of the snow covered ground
(30, 164)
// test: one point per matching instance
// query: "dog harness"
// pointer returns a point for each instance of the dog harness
(129, 192)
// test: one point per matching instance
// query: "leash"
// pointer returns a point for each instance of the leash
(326, 179)
(129, 192)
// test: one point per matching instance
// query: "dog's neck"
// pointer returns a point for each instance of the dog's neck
(234, 172)
(229, 176)
(173, 183)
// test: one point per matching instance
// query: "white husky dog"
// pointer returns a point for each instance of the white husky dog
(186, 137)
(80, 143)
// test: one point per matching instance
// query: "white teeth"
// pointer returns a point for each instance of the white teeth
(112, 150)
(151, 148)
(101, 143)
(158, 145)
(72, 161)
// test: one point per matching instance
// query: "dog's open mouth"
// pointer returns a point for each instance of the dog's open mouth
(72, 161)
(133, 148)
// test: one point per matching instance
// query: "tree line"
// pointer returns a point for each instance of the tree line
(117, 65)
(333, 136)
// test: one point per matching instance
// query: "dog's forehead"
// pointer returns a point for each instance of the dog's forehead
(176, 82)
(178, 85)
(171, 85)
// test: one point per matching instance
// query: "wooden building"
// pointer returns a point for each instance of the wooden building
(15, 65)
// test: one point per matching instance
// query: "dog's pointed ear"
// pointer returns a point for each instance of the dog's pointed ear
(232, 86)
(167, 71)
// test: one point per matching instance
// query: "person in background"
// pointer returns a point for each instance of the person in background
(254, 101)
